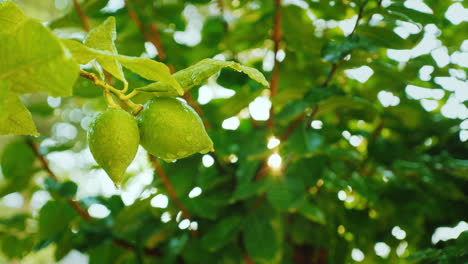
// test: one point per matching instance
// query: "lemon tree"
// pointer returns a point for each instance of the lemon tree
(219, 131)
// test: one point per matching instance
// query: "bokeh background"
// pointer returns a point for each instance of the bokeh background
(386, 163)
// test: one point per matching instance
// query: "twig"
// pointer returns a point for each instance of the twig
(168, 185)
(45, 166)
(158, 44)
(148, 251)
(330, 75)
(134, 17)
(258, 202)
(360, 14)
(336, 64)
(221, 10)
(82, 15)
(80, 210)
(378, 129)
(292, 126)
(275, 75)
(136, 109)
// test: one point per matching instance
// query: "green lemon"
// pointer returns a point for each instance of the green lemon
(113, 139)
(170, 129)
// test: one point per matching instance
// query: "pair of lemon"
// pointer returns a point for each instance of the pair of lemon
(167, 128)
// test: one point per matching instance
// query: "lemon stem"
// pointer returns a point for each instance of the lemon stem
(110, 100)
(120, 94)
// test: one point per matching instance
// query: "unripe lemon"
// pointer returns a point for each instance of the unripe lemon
(170, 129)
(113, 139)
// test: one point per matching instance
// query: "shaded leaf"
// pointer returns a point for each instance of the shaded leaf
(54, 218)
(218, 235)
(311, 212)
(260, 238)
(384, 37)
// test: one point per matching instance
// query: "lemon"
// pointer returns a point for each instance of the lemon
(113, 139)
(170, 129)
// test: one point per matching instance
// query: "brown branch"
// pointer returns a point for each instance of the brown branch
(148, 251)
(258, 202)
(378, 129)
(221, 10)
(134, 17)
(170, 190)
(45, 166)
(42, 160)
(330, 75)
(78, 208)
(336, 64)
(292, 126)
(376, 133)
(158, 44)
(360, 15)
(82, 15)
(275, 75)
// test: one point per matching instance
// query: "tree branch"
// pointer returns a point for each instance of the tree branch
(170, 190)
(168, 185)
(45, 166)
(82, 15)
(275, 75)
(330, 75)
(78, 208)
(148, 251)
(360, 14)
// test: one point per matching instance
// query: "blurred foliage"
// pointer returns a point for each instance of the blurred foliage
(399, 165)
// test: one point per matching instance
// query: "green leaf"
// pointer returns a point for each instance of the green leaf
(201, 71)
(54, 218)
(260, 239)
(337, 50)
(61, 189)
(4, 92)
(399, 10)
(146, 68)
(15, 118)
(245, 190)
(15, 222)
(16, 247)
(384, 37)
(305, 141)
(312, 212)
(102, 38)
(11, 17)
(151, 70)
(17, 161)
(219, 234)
(33, 60)
(286, 193)
(347, 102)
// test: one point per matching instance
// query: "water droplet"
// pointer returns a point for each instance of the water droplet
(204, 151)
(181, 154)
